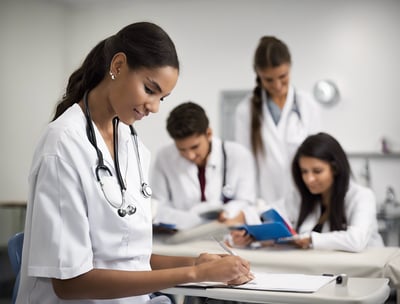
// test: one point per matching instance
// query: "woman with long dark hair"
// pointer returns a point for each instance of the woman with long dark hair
(274, 119)
(88, 231)
(334, 212)
(327, 209)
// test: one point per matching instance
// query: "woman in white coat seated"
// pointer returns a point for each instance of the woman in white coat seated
(88, 229)
(333, 213)
(274, 119)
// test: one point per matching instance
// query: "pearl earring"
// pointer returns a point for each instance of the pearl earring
(112, 75)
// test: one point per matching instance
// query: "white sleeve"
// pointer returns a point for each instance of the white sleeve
(242, 178)
(182, 219)
(159, 181)
(361, 215)
(60, 246)
(242, 172)
(166, 212)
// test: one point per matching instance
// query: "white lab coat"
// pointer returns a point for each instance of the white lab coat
(280, 141)
(176, 185)
(362, 225)
(70, 228)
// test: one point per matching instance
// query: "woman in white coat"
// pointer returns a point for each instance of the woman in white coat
(334, 212)
(274, 120)
(88, 231)
(328, 210)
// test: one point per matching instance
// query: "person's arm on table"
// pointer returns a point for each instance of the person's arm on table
(95, 284)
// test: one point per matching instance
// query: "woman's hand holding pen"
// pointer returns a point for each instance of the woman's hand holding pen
(227, 268)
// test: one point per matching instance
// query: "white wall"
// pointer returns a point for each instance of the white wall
(32, 65)
(354, 43)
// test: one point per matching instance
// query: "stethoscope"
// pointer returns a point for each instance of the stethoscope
(114, 197)
(227, 192)
(295, 106)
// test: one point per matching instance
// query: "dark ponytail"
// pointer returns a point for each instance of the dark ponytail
(85, 78)
(145, 45)
(256, 120)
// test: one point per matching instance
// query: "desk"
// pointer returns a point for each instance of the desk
(372, 263)
(358, 290)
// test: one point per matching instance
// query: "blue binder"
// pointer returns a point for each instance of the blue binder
(273, 228)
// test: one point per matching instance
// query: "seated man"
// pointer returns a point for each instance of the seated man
(199, 175)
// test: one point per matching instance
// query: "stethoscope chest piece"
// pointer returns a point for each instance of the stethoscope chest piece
(227, 192)
(146, 190)
(129, 210)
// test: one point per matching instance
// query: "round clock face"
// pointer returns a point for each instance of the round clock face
(326, 92)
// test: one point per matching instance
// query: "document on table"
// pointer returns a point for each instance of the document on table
(275, 282)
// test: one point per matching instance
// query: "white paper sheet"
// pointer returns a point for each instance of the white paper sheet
(287, 282)
(276, 282)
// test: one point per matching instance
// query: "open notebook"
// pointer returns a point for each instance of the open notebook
(275, 282)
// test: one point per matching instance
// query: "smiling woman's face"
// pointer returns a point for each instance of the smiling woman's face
(275, 80)
(138, 93)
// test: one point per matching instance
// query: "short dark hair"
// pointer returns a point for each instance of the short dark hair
(187, 119)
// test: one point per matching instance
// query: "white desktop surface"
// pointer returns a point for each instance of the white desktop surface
(358, 290)
(372, 263)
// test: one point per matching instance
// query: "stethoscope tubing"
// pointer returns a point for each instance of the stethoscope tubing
(145, 188)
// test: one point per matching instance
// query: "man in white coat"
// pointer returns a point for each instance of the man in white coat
(199, 173)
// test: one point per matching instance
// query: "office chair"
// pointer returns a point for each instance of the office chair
(15, 254)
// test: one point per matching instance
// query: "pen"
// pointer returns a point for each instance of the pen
(223, 245)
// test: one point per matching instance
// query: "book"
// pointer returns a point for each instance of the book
(274, 227)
